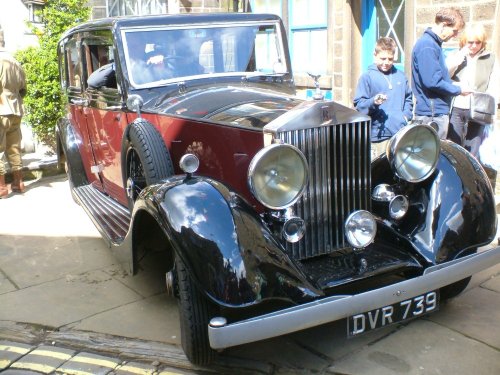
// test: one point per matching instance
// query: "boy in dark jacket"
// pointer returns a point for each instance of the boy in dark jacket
(384, 94)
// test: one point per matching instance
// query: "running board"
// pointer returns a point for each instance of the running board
(111, 218)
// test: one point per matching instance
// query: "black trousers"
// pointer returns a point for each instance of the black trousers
(464, 132)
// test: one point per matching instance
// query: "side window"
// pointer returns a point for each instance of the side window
(99, 61)
(73, 64)
(63, 77)
(265, 47)
(98, 56)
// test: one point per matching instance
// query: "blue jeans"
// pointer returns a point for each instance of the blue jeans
(441, 121)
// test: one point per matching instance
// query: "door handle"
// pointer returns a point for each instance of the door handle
(83, 102)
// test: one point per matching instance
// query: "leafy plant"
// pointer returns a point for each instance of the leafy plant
(44, 103)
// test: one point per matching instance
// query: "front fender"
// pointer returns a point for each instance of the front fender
(450, 212)
(226, 246)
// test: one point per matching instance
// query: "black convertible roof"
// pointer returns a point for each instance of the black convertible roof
(169, 19)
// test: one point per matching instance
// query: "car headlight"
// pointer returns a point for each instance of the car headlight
(414, 152)
(277, 175)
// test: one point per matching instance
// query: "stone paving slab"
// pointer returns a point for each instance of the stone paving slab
(149, 281)
(422, 347)
(492, 284)
(475, 314)
(22, 221)
(159, 309)
(5, 284)
(330, 340)
(27, 263)
(66, 300)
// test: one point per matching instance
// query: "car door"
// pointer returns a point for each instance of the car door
(105, 118)
(78, 106)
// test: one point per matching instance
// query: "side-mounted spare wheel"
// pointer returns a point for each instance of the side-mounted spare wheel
(195, 312)
(147, 160)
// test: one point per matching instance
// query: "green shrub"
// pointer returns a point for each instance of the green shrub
(44, 103)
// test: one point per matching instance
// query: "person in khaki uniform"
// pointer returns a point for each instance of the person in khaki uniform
(12, 91)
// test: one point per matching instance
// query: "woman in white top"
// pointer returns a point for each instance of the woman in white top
(476, 67)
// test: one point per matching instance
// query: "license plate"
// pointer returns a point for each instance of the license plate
(411, 308)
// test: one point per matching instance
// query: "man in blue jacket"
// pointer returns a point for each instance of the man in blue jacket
(431, 83)
(384, 94)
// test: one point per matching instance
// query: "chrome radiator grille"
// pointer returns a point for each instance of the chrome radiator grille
(339, 183)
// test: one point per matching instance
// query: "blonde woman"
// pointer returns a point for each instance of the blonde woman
(476, 67)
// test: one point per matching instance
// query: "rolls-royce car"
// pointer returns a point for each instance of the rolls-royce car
(186, 135)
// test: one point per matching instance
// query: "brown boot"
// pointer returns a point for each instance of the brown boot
(17, 183)
(4, 191)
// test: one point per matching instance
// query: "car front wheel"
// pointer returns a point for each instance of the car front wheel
(195, 312)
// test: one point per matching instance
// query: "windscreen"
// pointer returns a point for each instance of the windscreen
(158, 56)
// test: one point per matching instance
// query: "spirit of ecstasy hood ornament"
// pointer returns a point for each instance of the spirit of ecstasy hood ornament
(318, 95)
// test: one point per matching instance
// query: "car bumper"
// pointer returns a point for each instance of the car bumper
(337, 307)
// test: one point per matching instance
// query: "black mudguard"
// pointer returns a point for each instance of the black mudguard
(69, 140)
(451, 212)
(224, 243)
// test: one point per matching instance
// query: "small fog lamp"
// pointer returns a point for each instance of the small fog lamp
(294, 229)
(398, 207)
(383, 193)
(360, 229)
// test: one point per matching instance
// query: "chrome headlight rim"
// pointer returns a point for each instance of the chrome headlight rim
(397, 144)
(257, 161)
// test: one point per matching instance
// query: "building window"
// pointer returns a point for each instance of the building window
(34, 10)
(390, 23)
(136, 7)
(266, 6)
(383, 18)
(308, 36)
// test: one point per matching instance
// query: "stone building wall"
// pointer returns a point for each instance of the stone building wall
(475, 11)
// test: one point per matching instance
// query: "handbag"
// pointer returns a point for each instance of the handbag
(482, 108)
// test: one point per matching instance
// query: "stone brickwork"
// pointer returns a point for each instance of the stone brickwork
(476, 11)
(340, 54)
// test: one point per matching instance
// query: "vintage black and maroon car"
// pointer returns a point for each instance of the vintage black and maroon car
(184, 135)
